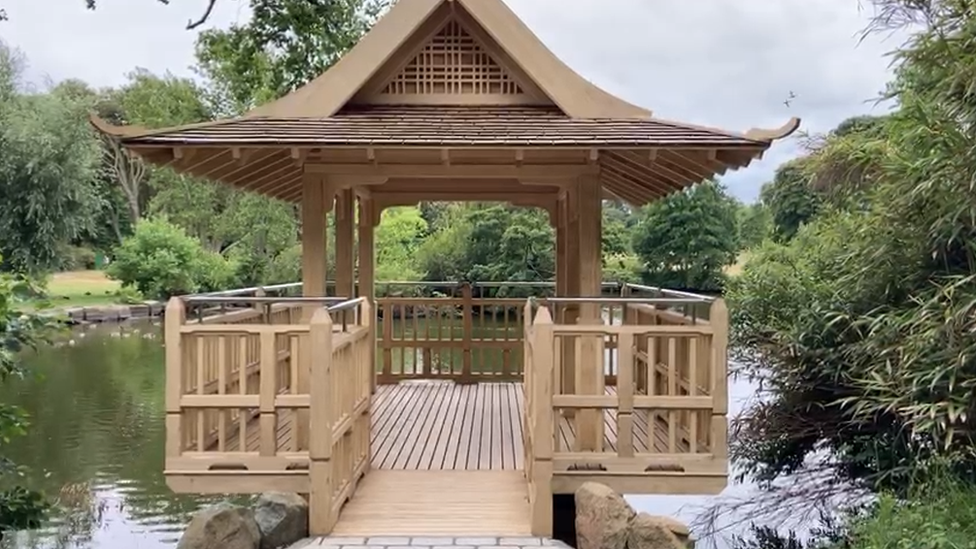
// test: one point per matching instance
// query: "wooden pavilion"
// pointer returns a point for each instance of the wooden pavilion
(449, 100)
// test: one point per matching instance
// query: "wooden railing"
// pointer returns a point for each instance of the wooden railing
(471, 333)
(660, 414)
(276, 406)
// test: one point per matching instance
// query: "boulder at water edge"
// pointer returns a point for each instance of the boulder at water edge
(222, 526)
(647, 532)
(602, 516)
(282, 519)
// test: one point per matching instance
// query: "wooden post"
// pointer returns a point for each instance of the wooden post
(590, 368)
(367, 318)
(542, 423)
(467, 312)
(173, 322)
(321, 491)
(718, 317)
(267, 370)
(316, 203)
(367, 273)
(344, 270)
(570, 314)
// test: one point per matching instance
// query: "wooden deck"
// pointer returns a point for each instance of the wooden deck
(467, 503)
(438, 425)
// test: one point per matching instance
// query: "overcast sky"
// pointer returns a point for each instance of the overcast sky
(723, 63)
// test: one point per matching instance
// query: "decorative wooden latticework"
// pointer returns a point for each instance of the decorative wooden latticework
(453, 63)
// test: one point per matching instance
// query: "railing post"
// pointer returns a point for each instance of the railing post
(527, 372)
(719, 319)
(321, 492)
(267, 376)
(174, 319)
(367, 316)
(540, 485)
(467, 310)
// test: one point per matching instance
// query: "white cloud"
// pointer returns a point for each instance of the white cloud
(711, 62)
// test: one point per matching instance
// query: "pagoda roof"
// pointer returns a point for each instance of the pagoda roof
(450, 74)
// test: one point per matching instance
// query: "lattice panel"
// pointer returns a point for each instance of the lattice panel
(453, 63)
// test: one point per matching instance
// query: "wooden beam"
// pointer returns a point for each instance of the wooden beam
(549, 171)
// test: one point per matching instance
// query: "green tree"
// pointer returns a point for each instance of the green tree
(754, 223)
(490, 242)
(790, 199)
(285, 44)
(687, 239)
(398, 237)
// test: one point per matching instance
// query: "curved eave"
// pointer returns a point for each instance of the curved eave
(126, 133)
(770, 135)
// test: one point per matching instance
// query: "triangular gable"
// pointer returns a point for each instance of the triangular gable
(454, 66)
(407, 27)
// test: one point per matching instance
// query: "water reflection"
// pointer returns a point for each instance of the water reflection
(692, 509)
(96, 441)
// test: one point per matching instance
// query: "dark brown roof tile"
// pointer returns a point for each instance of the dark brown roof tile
(448, 126)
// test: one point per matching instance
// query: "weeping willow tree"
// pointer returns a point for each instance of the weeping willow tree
(48, 171)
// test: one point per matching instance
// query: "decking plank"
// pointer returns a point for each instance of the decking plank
(443, 426)
(449, 503)
(497, 415)
(445, 431)
(477, 433)
(410, 437)
(457, 449)
(388, 397)
(404, 420)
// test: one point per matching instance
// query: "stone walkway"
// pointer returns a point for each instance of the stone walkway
(428, 542)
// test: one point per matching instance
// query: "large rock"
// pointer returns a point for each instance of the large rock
(602, 516)
(282, 519)
(222, 526)
(648, 532)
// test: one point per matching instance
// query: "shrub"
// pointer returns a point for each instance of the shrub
(160, 260)
(19, 507)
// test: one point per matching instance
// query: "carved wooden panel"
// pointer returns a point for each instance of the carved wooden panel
(453, 63)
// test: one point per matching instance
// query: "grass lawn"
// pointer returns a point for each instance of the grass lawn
(81, 288)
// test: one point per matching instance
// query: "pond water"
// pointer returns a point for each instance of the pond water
(96, 444)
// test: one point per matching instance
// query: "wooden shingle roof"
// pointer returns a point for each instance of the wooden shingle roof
(448, 127)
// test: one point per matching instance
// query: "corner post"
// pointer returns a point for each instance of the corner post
(317, 201)
(590, 372)
(174, 319)
(719, 390)
(540, 483)
(320, 475)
